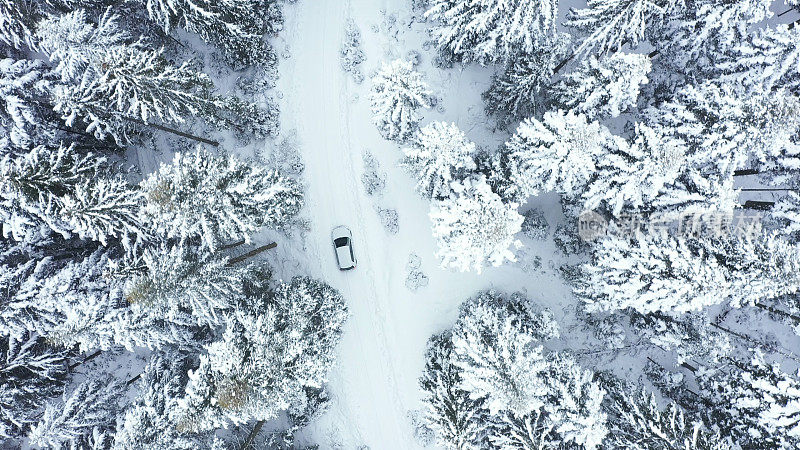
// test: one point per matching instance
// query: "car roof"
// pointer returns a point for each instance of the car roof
(344, 256)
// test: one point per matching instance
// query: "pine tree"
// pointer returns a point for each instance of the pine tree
(269, 353)
(398, 92)
(610, 24)
(655, 272)
(457, 420)
(147, 422)
(235, 27)
(639, 423)
(440, 155)
(696, 39)
(92, 405)
(22, 124)
(68, 193)
(558, 153)
(768, 59)
(474, 227)
(487, 31)
(604, 87)
(112, 85)
(14, 26)
(179, 282)
(532, 397)
(30, 372)
(634, 176)
(213, 199)
(523, 86)
(690, 336)
(754, 402)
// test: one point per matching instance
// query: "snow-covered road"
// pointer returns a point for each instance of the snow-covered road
(375, 381)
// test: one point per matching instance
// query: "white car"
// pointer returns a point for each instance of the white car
(343, 246)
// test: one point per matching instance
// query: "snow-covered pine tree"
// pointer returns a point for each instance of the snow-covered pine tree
(111, 84)
(201, 196)
(67, 302)
(270, 352)
(659, 272)
(458, 421)
(633, 176)
(695, 39)
(439, 155)
(497, 349)
(398, 92)
(69, 193)
(235, 27)
(558, 153)
(22, 125)
(766, 60)
(638, 422)
(178, 281)
(30, 372)
(611, 24)
(532, 397)
(14, 24)
(723, 126)
(147, 423)
(754, 402)
(690, 336)
(473, 227)
(487, 31)
(522, 87)
(92, 405)
(604, 87)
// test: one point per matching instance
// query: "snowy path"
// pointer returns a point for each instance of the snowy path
(381, 355)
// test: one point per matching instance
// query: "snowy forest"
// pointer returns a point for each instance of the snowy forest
(576, 224)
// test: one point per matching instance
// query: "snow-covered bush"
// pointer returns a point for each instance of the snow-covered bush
(214, 199)
(373, 179)
(415, 277)
(398, 92)
(389, 219)
(439, 156)
(603, 87)
(487, 31)
(351, 54)
(473, 227)
(535, 225)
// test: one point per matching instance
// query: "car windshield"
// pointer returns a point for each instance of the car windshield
(340, 242)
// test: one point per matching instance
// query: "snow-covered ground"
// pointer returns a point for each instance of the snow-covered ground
(375, 382)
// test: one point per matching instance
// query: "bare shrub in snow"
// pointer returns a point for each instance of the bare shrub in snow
(389, 220)
(535, 225)
(416, 278)
(351, 54)
(374, 179)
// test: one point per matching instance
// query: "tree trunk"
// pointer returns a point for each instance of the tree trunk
(133, 380)
(173, 131)
(766, 189)
(253, 433)
(761, 206)
(252, 253)
(785, 12)
(231, 245)
(779, 312)
(85, 360)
